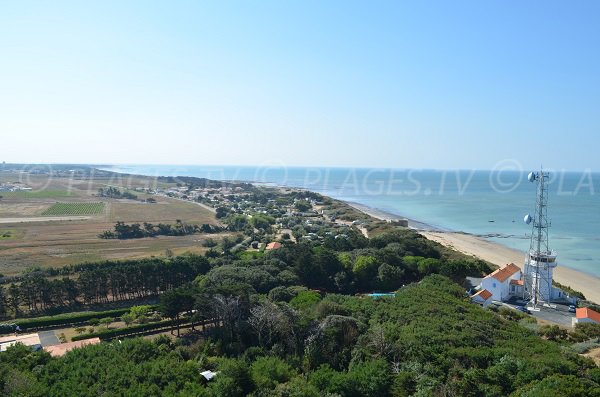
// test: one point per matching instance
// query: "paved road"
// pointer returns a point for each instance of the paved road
(48, 338)
(557, 313)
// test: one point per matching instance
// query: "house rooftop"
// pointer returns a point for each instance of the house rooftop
(62, 348)
(517, 282)
(273, 245)
(483, 294)
(586, 312)
(504, 272)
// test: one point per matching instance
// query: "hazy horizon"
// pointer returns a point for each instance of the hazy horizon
(437, 85)
(502, 167)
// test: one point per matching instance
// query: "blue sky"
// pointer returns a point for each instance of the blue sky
(448, 84)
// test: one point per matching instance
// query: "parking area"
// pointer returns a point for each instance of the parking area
(48, 338)
(556, 313)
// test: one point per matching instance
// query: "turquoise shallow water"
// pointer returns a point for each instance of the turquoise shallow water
(488, 203)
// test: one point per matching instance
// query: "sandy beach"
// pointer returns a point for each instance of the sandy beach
(501, 255)
(493, 252)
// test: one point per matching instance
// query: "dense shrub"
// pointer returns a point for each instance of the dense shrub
(66, 319)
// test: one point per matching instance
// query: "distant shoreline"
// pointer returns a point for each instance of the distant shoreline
(491, 251)
(389, 216)
(472, 245)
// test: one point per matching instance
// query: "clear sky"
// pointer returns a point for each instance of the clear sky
(444, 84)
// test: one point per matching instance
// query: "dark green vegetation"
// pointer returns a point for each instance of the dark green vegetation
(66, 319)
(343, 265)
(124, 231)
(274, 336)
(116, 193)
(76, 286)
(107, 334)
(74, 209)
(285, 322)
(427, 341)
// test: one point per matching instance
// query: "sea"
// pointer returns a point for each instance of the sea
(486, 203)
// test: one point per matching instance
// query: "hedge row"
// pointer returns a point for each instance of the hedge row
(134, 329)
(67, 318)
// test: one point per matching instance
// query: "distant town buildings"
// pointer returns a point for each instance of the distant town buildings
(14, 187)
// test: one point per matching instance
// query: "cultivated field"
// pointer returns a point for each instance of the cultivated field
(62, 226)
(74, 209)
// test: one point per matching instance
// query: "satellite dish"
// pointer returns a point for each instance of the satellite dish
(527, 219)
(531, 177)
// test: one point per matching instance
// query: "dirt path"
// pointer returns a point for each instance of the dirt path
(594, 354)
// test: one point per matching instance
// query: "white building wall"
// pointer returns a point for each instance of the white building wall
(500, 290)
(481, 301)
(546, 292)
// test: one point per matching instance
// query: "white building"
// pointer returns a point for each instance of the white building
(31, 340)
(507, 282)
(502, 283)
(483, 297)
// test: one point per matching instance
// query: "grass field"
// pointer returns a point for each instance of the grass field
(61, 242)
(24, 194)
(7, 234)
(75, 209)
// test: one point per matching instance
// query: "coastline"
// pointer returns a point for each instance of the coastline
(490, 251)
(388, 216)
(479, 247)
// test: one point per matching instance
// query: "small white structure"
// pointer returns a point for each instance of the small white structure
(502, 283)
(208, 375)
(31, 340)
(586, 315)
(483, 297)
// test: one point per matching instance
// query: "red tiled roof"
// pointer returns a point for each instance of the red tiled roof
(505, 272)
(62, 348)
(484, 294)
(273, 246)
(517, 282)
(586, 312)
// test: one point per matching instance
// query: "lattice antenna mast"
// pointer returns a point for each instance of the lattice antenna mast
(540, 221)
(540, 259)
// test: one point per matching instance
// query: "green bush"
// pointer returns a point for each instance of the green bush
(66, 319)
(134, 329)
(305, 299)
(268, 372)
(584, 347)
